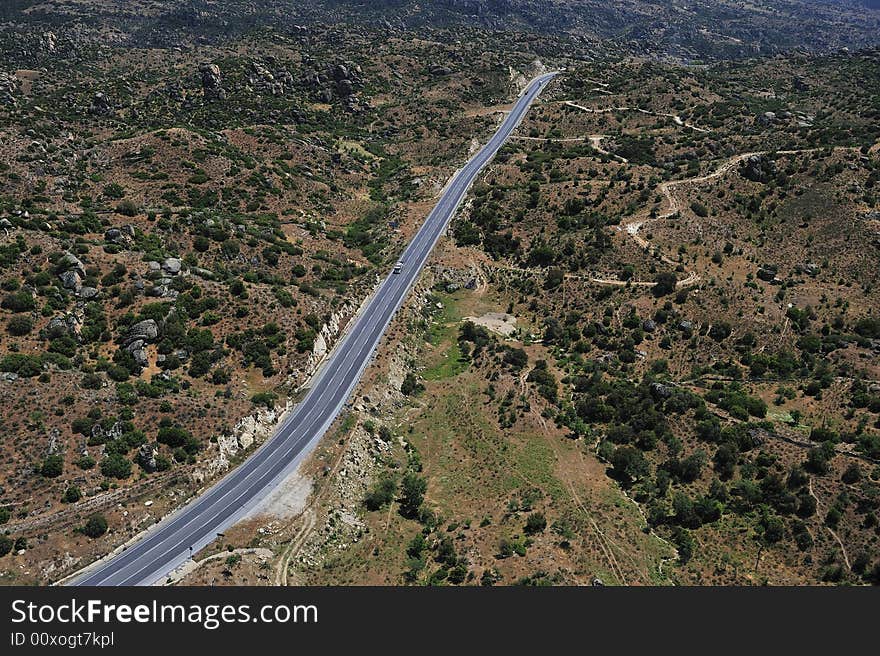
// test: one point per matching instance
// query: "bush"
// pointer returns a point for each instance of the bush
(116, 466)
(128, 208)
(413, 493)
(19, 302)
(699, 209)
(411, 386)
(665, 283)
(52, 466)
(71, 495)
(173, 436)
(19, 325)
(265, 398)
(516, 358)
(95, 527)
(535, 523)
(6, 545)
(381, 494)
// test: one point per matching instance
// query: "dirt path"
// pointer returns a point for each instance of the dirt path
(828, 528)
(674, 204)
(604, 110)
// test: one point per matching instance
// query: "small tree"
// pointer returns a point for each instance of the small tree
(19, 325)
(52, 466)
(411, 386)
(665, 283)
(116, 466)
(71, 495)
(95, 526)
(413, 493)
(381, 494)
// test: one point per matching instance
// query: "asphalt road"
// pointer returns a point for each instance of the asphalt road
(172, 541)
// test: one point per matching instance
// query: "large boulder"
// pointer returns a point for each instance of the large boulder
(71, 280)
(146, 457)
(171, 265)
(101, 104)
(212, 81)
(70, 261)
(143, 331)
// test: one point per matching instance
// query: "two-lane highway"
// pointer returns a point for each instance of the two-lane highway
(172, 541)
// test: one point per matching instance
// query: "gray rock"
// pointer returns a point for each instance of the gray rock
(70, 261)
(71, 280)
(649, 325)
(113, 433)
(135, 345)
(88, 292)
(146, 457)
(203, 273)
(146, 331)
(113, 235)
(686, 326)
(101, 104)
(212, 82)
(140, 356)
(171, 265)
(661, 391)
(154, 266)
(767, 275)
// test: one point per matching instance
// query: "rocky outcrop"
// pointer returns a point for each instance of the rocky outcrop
(143, 331)
(341, 80)
(171, 266)
(101, 104)
(146, 457)
(270, 78)
(250, 430)
(70, 261)
(8, 89)
(212, 81)
(63, 325)
(758, 168)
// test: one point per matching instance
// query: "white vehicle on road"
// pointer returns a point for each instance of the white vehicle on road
(398, 267)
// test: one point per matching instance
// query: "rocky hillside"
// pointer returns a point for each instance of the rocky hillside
(688, 31)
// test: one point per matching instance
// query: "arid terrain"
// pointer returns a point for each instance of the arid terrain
(646, 353)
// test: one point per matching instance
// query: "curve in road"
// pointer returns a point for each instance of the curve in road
(172, 541)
